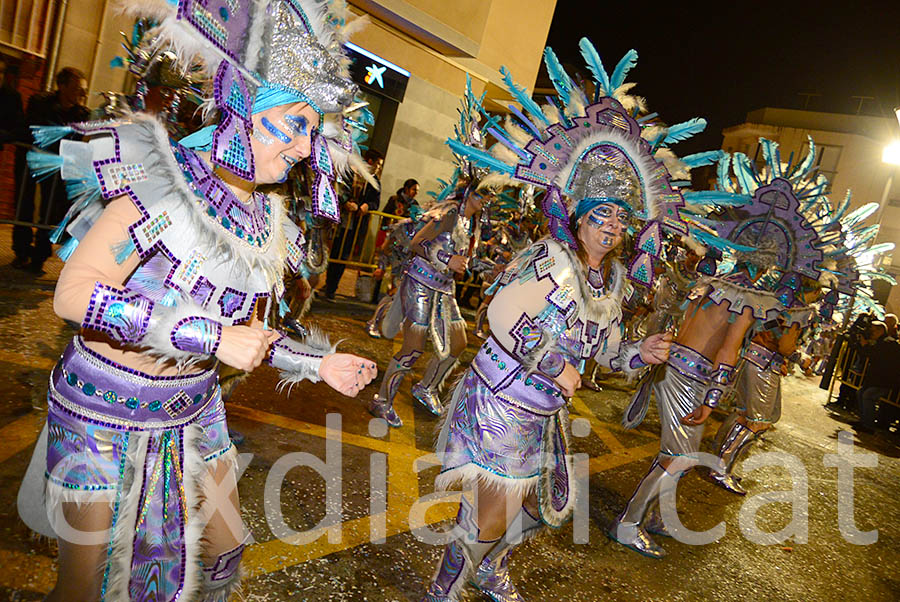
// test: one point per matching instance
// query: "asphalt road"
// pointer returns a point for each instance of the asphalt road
(333, 557)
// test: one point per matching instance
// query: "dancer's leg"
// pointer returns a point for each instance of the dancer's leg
(223, 535)
(81, 564)
(382, 405)
(427, 390)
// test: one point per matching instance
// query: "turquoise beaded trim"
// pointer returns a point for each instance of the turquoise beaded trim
(111, 397)
(529, 382)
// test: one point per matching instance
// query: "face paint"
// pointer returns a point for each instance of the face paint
(273, 129)
(262, 138)
(296, 124)
(291, 162)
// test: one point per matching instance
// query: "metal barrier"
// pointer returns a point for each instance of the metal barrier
(31, 194)
(846, 373)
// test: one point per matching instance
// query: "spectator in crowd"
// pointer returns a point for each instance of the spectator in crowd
(63, 106)
(890, 321)
(353, 218)
(881, 376)
(12, 117)
(405, 198)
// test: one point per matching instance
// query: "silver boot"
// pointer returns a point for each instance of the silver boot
(459, 559)
(735, 441)
(373, 326)
(492, 576)
(627, 529)
(382, 405)
(426, 390)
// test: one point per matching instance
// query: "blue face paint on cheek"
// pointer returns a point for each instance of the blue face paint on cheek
(273, 129)
(595, 221)
(297, 123)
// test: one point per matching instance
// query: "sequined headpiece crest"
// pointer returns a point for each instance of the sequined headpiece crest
(778, 220)
(290, 45)
(572, 145)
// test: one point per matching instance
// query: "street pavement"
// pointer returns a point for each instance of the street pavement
(333, 557)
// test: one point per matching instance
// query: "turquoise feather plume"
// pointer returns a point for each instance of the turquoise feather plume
(859, 215)
(718, 242)
(45, 135)
(744, 173)
(716, 197)
(770, 154)
(558, 76)
(621, 71)
(804, 166)
(595, 65)
(480, 157)
(700, 159)
(65, 251)
(521, 95)
(43, 165)
(684, 130)
(723, 172)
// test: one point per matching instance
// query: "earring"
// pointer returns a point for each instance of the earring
(231, 141)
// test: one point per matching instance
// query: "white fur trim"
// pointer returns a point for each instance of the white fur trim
(472, 474)
(552, 517)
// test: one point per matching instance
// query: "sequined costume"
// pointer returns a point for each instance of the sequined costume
(757, 394)
(395, 255)
(425, 304)
(146, 445)
(778, 232)
(506, 425)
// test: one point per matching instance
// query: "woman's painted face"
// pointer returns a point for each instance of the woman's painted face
(603, 229)
(281, 139)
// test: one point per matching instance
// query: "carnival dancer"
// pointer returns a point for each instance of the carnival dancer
(781, 233)
(176, 264)
(395, 254)
(556, 305)
(758, 395)
(426, 302)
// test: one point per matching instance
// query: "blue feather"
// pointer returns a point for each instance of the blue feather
(621, 71)
(601, 78)
(744, 173)
(770, 151)
(43, 165)
(722, 171)
(123, 250)
(65, 251)
(718, 242)
(716, 197)
(558, 76)
(684, 130)
(45, 135)
(859, 215)
(699, 159)
(804, 166)
(480, 157)
(283, 308)
(522, 96)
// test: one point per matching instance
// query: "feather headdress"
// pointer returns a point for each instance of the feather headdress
(603, 149)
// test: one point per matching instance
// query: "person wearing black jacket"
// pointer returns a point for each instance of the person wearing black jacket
(65, 105)
(353, 211)
(880, 378)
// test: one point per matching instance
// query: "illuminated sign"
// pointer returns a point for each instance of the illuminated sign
(374, 73)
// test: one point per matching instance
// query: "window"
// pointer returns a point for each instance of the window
(827, 158)
(25, 24)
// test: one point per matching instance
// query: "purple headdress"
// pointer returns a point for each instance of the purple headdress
(599, 151)
(289, 46)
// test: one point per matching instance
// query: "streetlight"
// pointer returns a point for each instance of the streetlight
(891, 152)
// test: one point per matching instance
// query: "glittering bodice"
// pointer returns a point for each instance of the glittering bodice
(248, 223)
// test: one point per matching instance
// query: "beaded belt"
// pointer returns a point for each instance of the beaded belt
(690, 363)
(763, 358)
(96, 387)
(423, 272)
(505, 377)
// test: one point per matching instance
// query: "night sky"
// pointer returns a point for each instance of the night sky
(721, 60)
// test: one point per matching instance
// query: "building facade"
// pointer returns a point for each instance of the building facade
(849, 153)
(419, 52)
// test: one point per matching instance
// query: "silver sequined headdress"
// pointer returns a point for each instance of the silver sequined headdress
(292, 46)
(594, 143)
